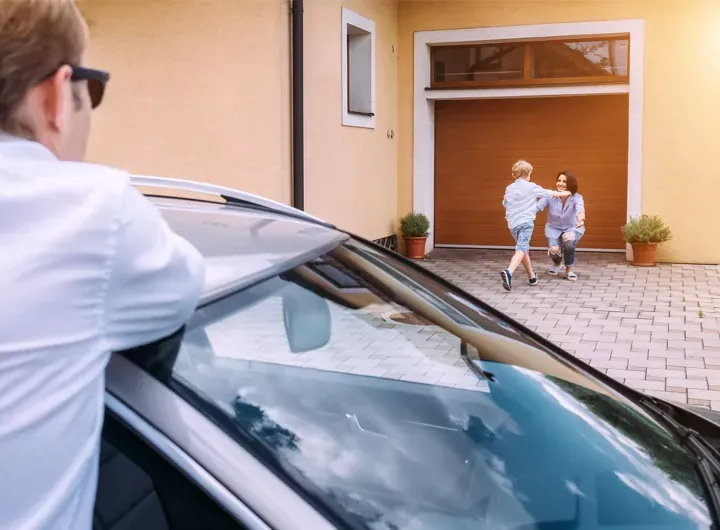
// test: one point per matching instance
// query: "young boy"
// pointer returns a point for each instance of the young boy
(520, 209)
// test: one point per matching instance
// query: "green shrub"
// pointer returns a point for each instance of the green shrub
(415, 225)
(646, 229)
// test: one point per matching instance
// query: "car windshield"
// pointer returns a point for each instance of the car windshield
(392, 402)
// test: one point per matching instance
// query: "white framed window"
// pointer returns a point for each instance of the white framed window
(358, 70)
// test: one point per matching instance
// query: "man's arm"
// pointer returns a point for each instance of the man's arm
(156, 277)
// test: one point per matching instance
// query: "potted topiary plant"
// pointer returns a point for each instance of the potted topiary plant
(414, 228)
(645, 233)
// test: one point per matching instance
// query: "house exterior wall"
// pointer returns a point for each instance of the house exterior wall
(681, 80)
(350, 172)
(201, 90)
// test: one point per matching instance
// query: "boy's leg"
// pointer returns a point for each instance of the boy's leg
(507, 274)
(517, 259)
(522, 235)
(528, 266)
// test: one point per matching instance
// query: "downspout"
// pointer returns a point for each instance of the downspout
(298, 147)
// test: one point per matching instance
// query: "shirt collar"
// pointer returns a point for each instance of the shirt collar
(12, 147)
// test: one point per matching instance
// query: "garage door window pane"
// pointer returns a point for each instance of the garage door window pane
(589, 59)
(478, 64)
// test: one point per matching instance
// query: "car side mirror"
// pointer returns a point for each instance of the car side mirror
(307, 319)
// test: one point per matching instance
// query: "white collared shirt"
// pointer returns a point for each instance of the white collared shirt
(520, 202)
(87, 266)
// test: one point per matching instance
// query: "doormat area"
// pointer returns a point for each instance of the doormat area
(411, 319)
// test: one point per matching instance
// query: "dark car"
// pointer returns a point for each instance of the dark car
(326, 382)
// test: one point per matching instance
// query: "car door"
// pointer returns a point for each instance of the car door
(146, 483)
(186, 455)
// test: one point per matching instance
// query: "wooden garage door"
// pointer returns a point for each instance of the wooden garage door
(476, 143)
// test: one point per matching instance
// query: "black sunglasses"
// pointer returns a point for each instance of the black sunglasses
(96, 81)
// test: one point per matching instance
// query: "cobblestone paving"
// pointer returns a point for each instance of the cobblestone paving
(363, 342)
(655, 329)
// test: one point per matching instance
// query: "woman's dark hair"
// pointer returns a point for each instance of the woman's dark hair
(572, 185)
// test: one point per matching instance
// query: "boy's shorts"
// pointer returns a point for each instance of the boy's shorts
(522, 235)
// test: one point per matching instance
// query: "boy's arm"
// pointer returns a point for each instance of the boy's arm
(560, 193)
(542, 204)
(543, 193)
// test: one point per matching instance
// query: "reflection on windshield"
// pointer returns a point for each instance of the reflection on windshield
(390, 451)
(256, 421)
(406, 455)
(656, 456)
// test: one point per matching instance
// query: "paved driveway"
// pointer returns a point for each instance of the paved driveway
(656, 329)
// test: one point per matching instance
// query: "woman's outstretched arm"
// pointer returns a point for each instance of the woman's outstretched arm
(580, 210)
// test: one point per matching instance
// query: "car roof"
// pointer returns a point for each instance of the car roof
(242, 245)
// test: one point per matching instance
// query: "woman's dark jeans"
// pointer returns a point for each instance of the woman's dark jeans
(567, 249)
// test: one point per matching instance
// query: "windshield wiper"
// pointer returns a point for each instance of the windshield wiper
(707, 458)
(474, 367)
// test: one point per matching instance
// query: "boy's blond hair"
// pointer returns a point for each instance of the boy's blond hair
(521, 169)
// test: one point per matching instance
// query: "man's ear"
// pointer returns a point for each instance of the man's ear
(57, 97)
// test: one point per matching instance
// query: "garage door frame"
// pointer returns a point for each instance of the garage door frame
(424, 99)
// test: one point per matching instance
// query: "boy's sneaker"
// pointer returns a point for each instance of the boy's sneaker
(506, 279)
(554, 270)
(533, 280)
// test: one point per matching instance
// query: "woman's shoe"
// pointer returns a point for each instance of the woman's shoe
(571, 276)
(554, 270)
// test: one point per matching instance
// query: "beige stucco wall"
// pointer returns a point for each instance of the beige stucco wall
(350, 172)
(681, 106)
(199, 90)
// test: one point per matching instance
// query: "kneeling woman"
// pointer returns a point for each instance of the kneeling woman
(565, 224)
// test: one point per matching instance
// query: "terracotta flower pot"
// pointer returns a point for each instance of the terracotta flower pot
(644, 254)
(415, 247)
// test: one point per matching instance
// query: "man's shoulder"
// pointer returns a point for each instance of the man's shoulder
(88, 193)
(80, 182)
(96, 177)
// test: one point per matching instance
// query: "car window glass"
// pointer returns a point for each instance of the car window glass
(139, 489)
(379, 417)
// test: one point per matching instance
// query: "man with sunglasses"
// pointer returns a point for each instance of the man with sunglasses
(87, 267)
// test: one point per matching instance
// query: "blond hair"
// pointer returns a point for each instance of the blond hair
(521, 169)
(36, 38)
